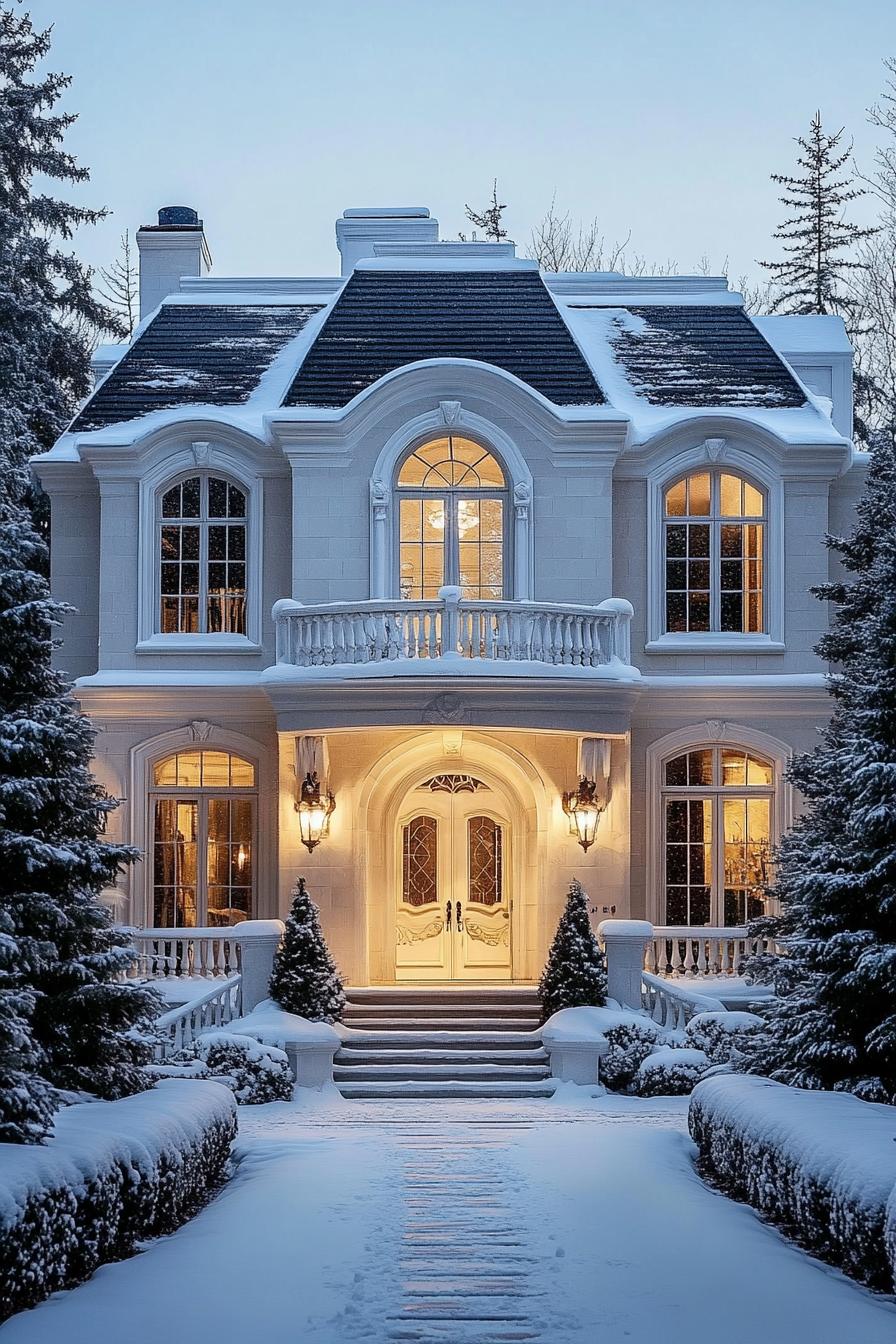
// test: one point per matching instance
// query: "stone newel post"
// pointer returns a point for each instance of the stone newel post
(625, 941)
(258, 940)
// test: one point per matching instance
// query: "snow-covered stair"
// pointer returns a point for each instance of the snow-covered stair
(442, 1042)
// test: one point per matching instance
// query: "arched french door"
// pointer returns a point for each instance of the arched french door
(453, 899)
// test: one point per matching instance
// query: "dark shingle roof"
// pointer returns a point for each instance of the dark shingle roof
(702, 356)
(194, 354)
(385, 319)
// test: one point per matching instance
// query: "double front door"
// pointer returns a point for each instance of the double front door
(453, 917)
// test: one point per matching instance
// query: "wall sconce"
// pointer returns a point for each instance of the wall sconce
(314, 812)
(583, 811)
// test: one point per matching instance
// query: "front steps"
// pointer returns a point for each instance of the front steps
(442, 1042)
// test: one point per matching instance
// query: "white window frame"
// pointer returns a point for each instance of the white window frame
(454, 418)
(715, 792)
(199, 736)
(734, 463)
(450, 495)
(167, 474)
(711, 733)
(200, 794)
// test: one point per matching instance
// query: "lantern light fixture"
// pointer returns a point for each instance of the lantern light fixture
(583, 810)
(314, 809)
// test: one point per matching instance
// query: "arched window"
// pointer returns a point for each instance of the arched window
(452, 521)
(203, 818)
(717, 835)
(714, 525)
(202, 557)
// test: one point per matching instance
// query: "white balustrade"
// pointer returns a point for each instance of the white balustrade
(178, 953)
(682, 950)
(179, 1027)
(672, 1004)
(340, 633)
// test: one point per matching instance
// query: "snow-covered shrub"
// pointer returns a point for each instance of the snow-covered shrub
(254, 1072)
(629, 1044)
(671, 1071)
(111, 1175)
(820, 1165)
(722, 1036)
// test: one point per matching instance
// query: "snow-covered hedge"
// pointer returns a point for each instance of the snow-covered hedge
(255, 1072)
(671, 1072)
(629, 1044)
(722, 1036)
(820, 1165)
(112, 1174)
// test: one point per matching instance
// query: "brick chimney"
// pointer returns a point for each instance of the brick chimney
(174, 247)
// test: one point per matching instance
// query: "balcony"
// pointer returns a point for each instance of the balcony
(449, 634)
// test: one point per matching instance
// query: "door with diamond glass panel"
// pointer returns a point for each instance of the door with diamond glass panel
(453, 917)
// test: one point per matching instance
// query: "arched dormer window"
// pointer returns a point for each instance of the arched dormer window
(453, 521)
(714, 547)
(201, 527)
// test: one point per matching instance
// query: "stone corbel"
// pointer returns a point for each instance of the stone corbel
(200, 453)
(379, 500)
(450, 412)
(715, 449)
(522, 500)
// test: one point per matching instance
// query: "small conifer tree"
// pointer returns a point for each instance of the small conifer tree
(305, 980)
(575, 974)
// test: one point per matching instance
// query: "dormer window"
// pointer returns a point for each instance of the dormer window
(202, 557)
(714, 525)
(452, 521)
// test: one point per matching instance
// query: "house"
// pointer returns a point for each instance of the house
(443, 581)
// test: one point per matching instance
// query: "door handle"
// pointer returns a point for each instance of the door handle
(460, 923)
(448, 915)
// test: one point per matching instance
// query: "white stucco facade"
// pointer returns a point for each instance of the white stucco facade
(583, 522)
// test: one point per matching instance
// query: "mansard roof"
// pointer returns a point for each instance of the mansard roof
(189, 354)
(648, 347)
(690, 354)
(385, 319)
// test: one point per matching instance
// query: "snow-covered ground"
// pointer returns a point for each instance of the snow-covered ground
(554, 1221)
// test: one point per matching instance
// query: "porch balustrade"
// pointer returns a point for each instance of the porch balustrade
(683, 950)
(186, 953)
(340, 633)
(180, 1026)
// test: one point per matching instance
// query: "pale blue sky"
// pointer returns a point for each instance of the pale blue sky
(663, 117)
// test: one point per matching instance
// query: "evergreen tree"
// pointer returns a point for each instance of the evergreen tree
(26, 1100)
(65, 1009)
(305, 980)
(834, 1024)
(815, 236)
(575, 974)
(47, 307)
(489, 218)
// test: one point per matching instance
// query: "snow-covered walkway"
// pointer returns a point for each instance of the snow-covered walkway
(474, 1221)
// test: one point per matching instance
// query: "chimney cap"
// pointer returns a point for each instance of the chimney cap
(179, 217)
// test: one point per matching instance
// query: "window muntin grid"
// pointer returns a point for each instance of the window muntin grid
(485, 860)
(203, 814)
(420, 861)
(714, 529)
(202, 557)
(717, 836)
(452, 521)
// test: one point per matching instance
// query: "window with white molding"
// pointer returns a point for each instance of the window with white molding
(716, 569)
(202, 557)
(452, 520)
(203, 805)
(718, 819)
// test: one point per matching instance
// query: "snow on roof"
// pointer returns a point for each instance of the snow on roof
(815, 333)
(655, 350)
